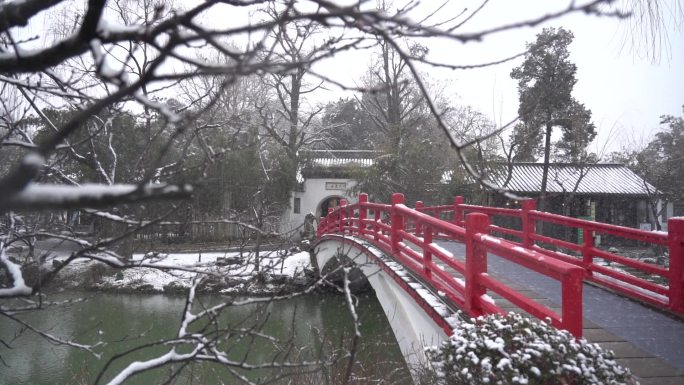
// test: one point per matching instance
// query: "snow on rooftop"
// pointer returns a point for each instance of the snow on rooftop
(564, 177)
(327, 161)
(342, 162)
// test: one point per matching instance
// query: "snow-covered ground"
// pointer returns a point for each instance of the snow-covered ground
(223, 271)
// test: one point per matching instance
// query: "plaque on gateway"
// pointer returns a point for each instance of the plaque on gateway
(335, 185)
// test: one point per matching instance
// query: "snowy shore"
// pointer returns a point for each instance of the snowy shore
(278, 272)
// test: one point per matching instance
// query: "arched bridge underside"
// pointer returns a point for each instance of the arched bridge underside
(419, 318)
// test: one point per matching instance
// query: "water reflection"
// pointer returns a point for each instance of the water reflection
(306, 328)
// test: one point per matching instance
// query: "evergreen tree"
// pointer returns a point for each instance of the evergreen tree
(545, 82)
(348, 124)
(661, 162)
(526, 138)
(578, 131)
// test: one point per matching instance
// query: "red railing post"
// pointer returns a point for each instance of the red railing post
(343, 214)
(528, 224)
(587, 247)
(571, 306)
(675, 235)
(458, 211)
(419, 226)
(329, 222)
(427, 255)
(376, 226)
(397, 223)
(476, 263)
(363, 213)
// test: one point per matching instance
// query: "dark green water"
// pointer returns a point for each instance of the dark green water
(316, 325)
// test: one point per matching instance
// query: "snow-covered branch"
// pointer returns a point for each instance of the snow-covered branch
(355, 320)
(134, 222)
(48, 196)
(53, 339)
(18, 286)
(18, 13)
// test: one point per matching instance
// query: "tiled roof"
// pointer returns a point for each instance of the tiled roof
(587, 179)
(340, 162)
(330, 163)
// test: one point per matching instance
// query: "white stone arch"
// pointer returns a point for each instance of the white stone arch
(418, 318)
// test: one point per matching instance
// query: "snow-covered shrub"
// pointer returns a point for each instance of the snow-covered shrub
(514, 349)
(94, 273)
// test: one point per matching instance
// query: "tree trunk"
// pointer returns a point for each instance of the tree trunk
(295, 92)
(542, 206)
(393, 102)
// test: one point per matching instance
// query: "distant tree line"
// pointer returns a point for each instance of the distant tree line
(661, 161)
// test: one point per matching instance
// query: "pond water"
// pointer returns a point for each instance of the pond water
(316, 325)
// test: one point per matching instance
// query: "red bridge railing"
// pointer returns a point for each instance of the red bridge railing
(662, 286)
(407, 235)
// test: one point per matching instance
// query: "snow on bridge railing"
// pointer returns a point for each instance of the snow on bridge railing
(662, 286)
(408, 237)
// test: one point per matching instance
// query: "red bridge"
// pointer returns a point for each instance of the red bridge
(417, 238)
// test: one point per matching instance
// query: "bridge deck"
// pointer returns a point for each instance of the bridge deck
(645, 340)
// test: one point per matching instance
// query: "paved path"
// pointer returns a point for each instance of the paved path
(645, 340)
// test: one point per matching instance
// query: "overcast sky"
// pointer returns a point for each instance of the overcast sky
(625, 90)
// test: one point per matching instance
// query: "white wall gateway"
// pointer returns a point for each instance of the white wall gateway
(324, 178)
